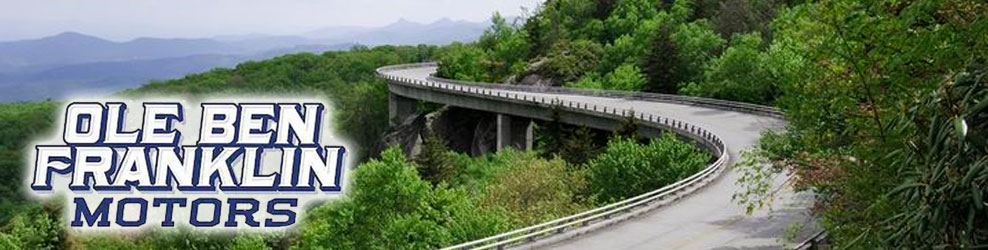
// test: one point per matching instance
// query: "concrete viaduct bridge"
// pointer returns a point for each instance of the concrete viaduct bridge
(694, 213)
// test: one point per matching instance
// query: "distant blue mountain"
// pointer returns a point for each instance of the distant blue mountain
(74, 48)
(404, 32)
(70, 62)
(100, 78)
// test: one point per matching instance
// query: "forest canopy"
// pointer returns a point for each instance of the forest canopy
(886, 102)
(885, 99)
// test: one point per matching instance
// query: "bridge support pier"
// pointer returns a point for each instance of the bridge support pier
(514, 132)
(400, 108)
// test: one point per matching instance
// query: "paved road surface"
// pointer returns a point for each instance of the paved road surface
(707, 219)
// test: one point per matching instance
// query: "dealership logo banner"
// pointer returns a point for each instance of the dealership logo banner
(217, 164)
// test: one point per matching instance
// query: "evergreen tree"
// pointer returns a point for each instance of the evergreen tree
(579, 147)
(551, 136)
(603, 8)
(661, 64)
(433, 162)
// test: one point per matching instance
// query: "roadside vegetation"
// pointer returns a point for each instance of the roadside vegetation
(886, 100)
(887, 103)
(437, 198)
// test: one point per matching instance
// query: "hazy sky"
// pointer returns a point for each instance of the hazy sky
(127, 19)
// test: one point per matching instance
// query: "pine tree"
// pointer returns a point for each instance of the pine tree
(433, 162)
(579, 147)
(603, 8)
(661, 64)
(552, 134)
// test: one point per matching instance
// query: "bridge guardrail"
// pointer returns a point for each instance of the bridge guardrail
(601, 214)
(817, 241)
(679, 99)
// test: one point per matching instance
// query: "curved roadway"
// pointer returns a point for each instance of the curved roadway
(708, 218)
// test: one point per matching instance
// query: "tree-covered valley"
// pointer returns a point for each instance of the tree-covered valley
(886, 102)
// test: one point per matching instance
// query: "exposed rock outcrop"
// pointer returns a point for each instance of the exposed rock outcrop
(534, 75)
(465, 131)
(407, 135)
(484, 136)
(539, 80)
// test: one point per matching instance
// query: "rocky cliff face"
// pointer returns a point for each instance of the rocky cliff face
(406, 135)
(465, 131)
(535, 74)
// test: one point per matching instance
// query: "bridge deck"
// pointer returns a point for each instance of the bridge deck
(706, 219)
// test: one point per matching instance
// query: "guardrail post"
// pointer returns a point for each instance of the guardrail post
(510, 130)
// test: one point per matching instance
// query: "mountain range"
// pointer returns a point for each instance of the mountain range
(70, 62)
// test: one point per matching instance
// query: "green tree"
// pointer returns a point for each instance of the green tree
(432, 161)
(746, 16)
(346, 77)
(591, 80)
(463, 62)
(568, 61)
(362, 113)
(551, 134)
(579, 147)
(18, 123)
(739, 74)
(632, 47)
(603, 8)
(624, 50)
(507, 47)
(696, 45)
(875, 93)
(559, 20)
(626, 169)
(628, 14)
(626, 77)
(662, 64)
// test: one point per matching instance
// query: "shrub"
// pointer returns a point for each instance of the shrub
(36, 228)
(249, 242)
(390, 207)
(532, 189)
(626, 168)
